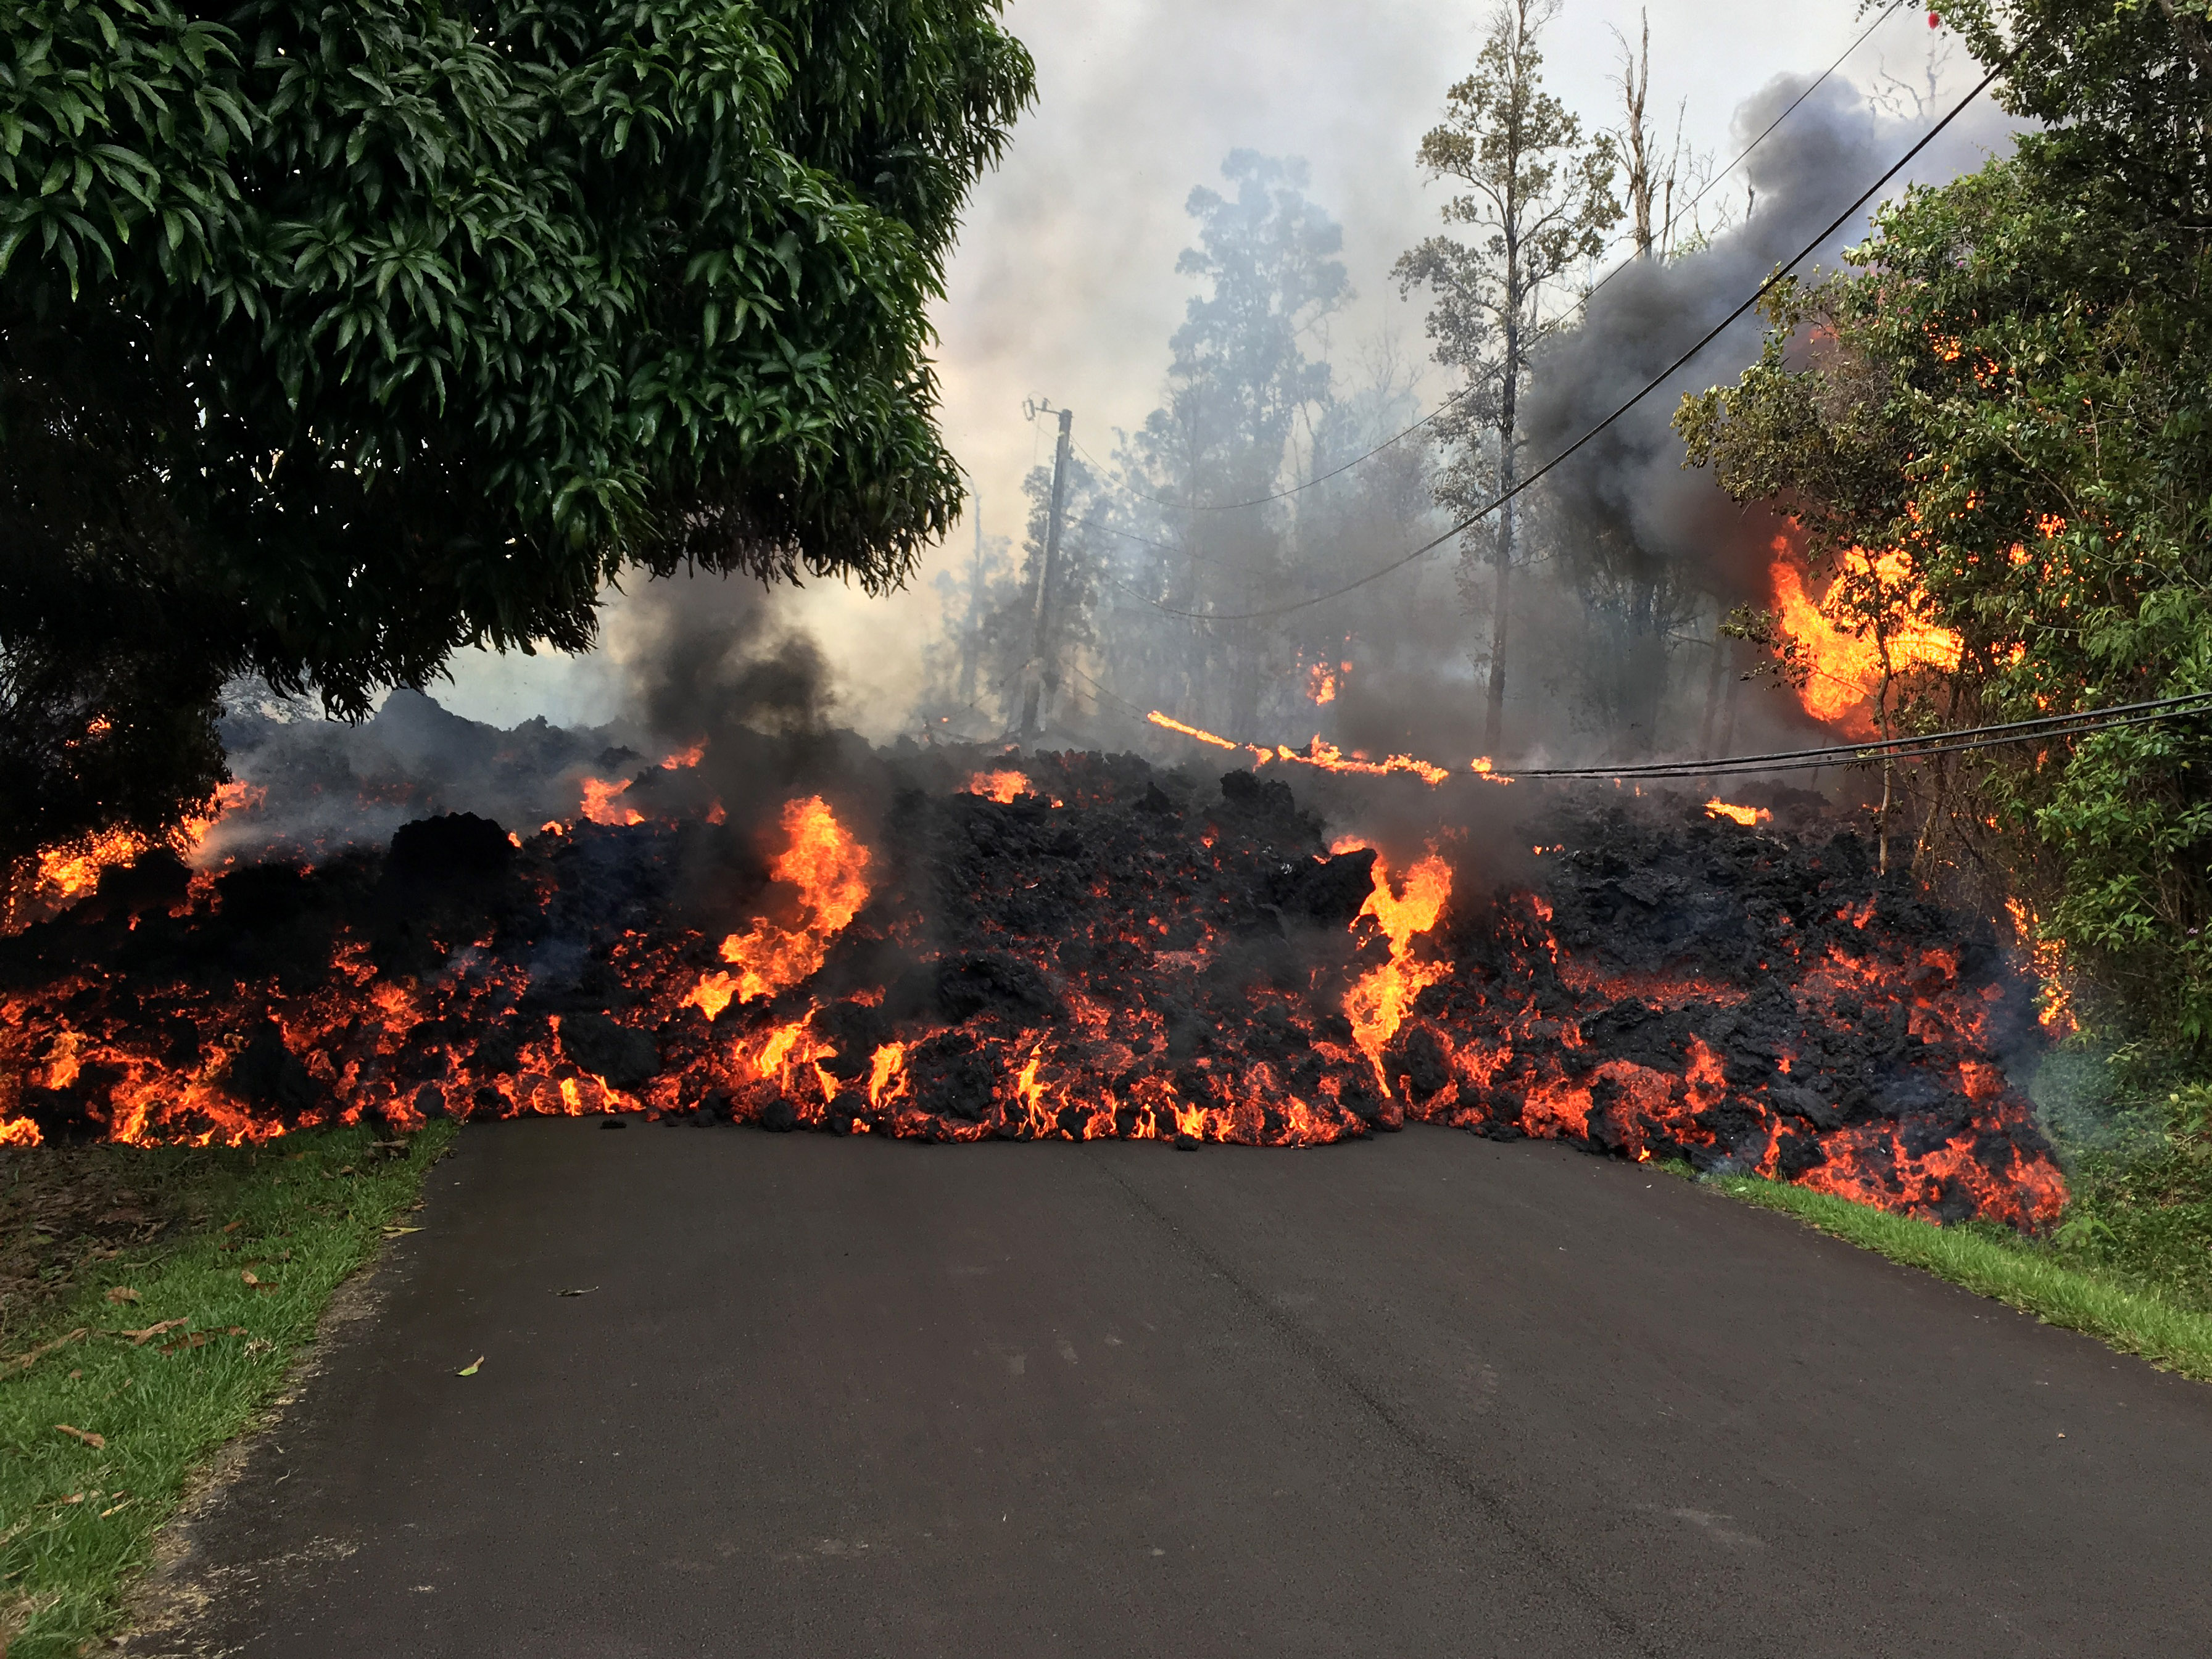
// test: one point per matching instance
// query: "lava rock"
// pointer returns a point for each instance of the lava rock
(969, 984)
(460, 846)
(620, 1056)
(1328, 892)
(269, 1075)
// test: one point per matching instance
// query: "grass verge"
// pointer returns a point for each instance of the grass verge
(149, 1354)
(2023, 1274)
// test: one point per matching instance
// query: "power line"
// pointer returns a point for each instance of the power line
(1542, 333)
(1765, 288)
(2048, 728)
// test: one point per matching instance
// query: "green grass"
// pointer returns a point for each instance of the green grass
(77, 1520)
(2130, 1261)
(2029, 1274)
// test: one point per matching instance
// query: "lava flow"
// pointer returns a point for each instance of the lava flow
(1082, 949)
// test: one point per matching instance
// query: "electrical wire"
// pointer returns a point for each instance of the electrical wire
(2048, 729)
(1765, 288)
(1544, 331)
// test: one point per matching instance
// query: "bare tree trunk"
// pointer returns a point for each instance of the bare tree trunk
(1715, 677)
(1493, 725)
(1635, 84)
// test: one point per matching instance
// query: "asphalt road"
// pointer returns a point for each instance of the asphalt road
(1422, 1395)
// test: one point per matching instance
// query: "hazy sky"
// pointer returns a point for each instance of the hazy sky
(1064, 283)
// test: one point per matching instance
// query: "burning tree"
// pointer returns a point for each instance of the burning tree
(333, 339)
(2010, 390)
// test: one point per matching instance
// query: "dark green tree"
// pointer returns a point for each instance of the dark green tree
(1538, 196)
(336, 337)
(2015, 388)
(1244, 383)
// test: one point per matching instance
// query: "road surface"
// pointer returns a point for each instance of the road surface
(1426, 1394)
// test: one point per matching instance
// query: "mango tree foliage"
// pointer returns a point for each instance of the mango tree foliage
(2014, 386)
(337, 336)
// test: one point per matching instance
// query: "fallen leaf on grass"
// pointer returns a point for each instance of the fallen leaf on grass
(24, 1361)
(73, 1498)
(235, 1225)
(96, 1440)
(582, 1292)
(247, 1277)
(139, 1339)
(394, 1232)
(470, 1370)
(123, 1293)
(111, 1510)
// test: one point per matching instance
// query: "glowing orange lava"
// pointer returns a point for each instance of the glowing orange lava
(601, 798)
(1004, 787)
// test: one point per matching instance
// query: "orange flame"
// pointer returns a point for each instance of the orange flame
(57, 877)
(1846, 666)
(829, 868)
(2054, 1000)
(1324, 680)
(1158, 719)
(684, 758)
(1748, 817)
(1378, 1004)
(1004, 787)
(1328, 757)
(599, 798)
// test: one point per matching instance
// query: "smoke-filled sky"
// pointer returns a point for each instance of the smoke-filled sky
(1064, 285)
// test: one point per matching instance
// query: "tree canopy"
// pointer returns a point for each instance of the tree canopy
(336, 337)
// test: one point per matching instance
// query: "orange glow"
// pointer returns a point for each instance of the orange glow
(684, 758)
(1846, 666)
(57, 877)
(1748, 817)
(1004, 787)
(1482, 768)
(1158, 719)
(599, 803)
(1324, 680)
(1378, 1004)
(829, 868)
(886, 1074)
(2054, 1001)
(714, 993)
(1328, 757)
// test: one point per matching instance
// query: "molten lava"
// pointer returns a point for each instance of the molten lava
(602, 803)
(1002, 786)
(1159, 959)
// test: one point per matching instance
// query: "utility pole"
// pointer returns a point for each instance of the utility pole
(1044, 679)
(973, 622)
